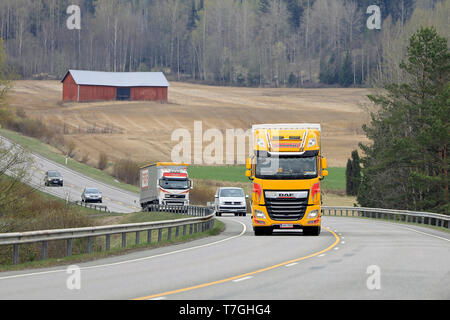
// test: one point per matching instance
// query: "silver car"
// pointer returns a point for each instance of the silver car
(230, 200)
(91, 195)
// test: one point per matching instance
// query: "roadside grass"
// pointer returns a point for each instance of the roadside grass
(55, 155)
(98, 248)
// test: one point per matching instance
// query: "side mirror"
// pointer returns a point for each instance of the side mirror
(216, 196)
(246, 196)
(324, 173)
(248, 164)
(248, 174)
(191, 184)
(324, 163)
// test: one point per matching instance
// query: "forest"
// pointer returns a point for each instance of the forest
(255, 43)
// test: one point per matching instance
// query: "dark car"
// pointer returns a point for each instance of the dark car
(91, 195)
(53, 178)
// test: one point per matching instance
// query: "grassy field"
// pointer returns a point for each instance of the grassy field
(334, 182)
(142, 131)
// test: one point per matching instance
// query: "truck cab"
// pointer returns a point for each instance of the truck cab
(164, 183)
(286, 168)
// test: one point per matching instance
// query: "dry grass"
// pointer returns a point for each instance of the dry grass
(142, 130)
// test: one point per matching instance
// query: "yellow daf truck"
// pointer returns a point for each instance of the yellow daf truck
(286, 169)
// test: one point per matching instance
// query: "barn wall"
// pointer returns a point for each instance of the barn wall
(149, 93)
(70, 89)
(97, 93)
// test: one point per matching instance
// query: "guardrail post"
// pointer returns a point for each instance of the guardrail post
(44, 253)
(15, 254)
(159, 235)
(68, 247)
(108, 242)
(89, 245)
(169, 233)
(184, 230)
(177, 232)
(124, 239)
(190, 228)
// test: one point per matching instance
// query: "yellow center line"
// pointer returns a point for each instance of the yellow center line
(337, 239)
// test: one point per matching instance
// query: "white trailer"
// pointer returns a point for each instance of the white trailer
(165, 183)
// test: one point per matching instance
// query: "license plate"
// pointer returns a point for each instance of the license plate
(287, 226)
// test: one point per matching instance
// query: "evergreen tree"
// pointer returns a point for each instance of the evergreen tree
(353, 174)
(193, 17)
(264, 6)
(346, 72)
(407, 165)
(348, 178)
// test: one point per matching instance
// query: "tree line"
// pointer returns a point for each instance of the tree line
(223, 42)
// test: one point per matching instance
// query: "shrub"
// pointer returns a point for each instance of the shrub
(103, 161)
(127, 171)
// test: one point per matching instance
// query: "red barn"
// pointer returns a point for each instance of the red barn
(81, 86)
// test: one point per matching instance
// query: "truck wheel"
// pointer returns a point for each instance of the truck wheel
(311, 231)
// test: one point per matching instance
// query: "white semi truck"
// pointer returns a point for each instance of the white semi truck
(165, 184)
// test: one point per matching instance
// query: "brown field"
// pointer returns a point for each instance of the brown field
(142, 131)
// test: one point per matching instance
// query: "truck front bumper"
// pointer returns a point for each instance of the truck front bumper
(260, 218)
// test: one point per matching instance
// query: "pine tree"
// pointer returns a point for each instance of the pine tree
(346, 72)
(353, 174)
(348, 178)
(264, 6)
(407, 165)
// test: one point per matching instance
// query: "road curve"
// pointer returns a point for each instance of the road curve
(115, 199)
(412, 262)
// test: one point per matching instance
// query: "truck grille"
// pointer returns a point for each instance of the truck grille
(286, 209)
(176, 196)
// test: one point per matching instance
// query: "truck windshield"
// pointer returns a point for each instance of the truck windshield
(285, 168)
(174, 183)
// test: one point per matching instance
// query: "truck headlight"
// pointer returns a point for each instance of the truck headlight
(259, 214)
(311, 142)
(313, 214)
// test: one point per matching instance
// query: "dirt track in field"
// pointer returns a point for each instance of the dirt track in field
(142, 131)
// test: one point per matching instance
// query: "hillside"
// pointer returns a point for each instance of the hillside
(142, 131)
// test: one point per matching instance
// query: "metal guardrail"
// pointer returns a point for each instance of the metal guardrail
(433, 219)
(203, 220)
(91, 206)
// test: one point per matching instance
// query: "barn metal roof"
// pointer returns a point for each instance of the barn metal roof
(118, 79)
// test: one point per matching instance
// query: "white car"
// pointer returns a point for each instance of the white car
(230, 200)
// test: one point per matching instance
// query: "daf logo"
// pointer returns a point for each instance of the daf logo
(282, 195)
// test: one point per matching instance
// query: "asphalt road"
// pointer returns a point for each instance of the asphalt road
(353, 258)
(115, 199)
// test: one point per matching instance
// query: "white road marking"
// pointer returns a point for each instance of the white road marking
(337, 248)
(242, 279)
(321, 255)
(133, 260)
(427, 234)
(291, 264)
